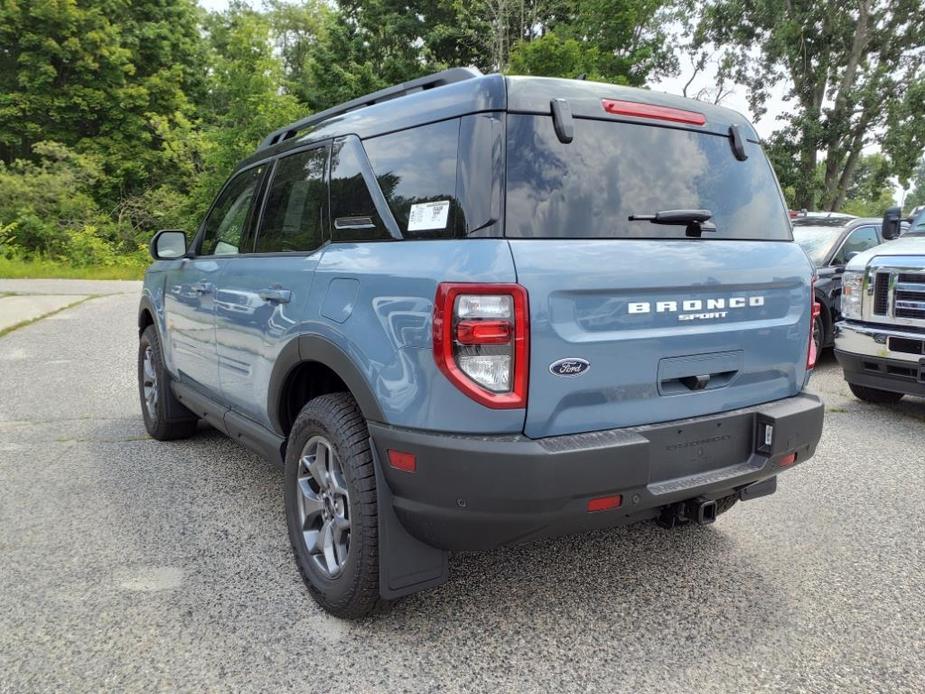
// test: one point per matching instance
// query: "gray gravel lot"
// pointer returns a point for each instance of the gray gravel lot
(128, 564)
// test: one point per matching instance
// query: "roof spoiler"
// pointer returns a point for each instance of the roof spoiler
(438, 79)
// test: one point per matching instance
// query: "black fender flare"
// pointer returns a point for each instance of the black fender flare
(315, 348)
(147, 305)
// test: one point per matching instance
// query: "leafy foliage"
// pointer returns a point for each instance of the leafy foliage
(854, 73)
(118, 118)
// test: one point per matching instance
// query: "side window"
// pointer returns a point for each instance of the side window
(858, 241)
(352, 207)
(226, 224)
(416, 169)
(294, 211)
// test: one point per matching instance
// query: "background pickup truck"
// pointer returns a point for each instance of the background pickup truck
(880, 344)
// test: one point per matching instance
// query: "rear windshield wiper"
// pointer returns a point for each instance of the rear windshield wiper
(695, 221)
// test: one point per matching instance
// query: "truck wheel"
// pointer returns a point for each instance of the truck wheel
(154, 389)
(331, 506)
(881, 397)
(819, 335)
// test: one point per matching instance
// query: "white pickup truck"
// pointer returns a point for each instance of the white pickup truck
(880, 343)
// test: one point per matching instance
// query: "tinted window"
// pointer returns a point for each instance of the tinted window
(416, 170)
(588, 188)
(817, 241)
(293, 215)
(352, 207)
(226, 225)
(858, 241)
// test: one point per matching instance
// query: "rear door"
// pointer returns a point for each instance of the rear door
(634, 322)
(191, 298)
(264, 295)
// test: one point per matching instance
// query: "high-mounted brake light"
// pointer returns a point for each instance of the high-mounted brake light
(634, 108)
(481, 334)
(815, 311)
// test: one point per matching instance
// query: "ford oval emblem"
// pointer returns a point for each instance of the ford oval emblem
(571, 366)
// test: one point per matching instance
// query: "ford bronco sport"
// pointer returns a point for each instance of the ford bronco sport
(474, 310)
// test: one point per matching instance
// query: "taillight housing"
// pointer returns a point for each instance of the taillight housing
(481, 341)
(815, 311)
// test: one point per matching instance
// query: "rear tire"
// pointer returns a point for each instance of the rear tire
(331, 508)
(819, 335)
(155, 393)
(875, 395)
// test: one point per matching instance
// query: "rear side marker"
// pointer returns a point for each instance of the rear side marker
(605, 503)
(787, 460)
(400, 460)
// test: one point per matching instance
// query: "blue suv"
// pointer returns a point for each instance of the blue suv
(473, 310)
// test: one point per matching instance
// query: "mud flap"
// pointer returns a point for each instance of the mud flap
(406, 565)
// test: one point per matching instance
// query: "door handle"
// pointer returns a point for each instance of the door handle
(202, 288)
(276, 295)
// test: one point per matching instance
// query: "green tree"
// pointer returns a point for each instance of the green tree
(244, 101)
(870, 192)
(854, 72)
(107, 78)
(916, 195)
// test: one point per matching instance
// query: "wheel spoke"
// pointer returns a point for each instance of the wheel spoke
(312, 541)
(312, 504)
(327, 545)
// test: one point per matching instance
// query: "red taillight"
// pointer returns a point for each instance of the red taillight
(605, 503)
(634, 108)
(406, 462)
(481, 334)
(815, 311)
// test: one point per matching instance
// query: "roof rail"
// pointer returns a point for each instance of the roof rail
(438, 79)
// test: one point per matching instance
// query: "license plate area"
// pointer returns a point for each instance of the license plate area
(692, 448)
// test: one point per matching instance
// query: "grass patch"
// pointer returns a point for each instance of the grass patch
(43, 268)
(23, 324)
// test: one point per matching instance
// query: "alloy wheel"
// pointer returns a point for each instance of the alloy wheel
(324, 506)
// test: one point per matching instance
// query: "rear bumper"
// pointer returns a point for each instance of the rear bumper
(479, 492)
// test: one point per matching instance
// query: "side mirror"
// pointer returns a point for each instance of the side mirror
(891, 221)
(851, 255)
(168, 244)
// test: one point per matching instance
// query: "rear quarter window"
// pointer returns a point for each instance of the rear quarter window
(589, 187)
(416, 170)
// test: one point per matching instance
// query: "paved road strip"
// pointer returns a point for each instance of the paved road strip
(20, 310)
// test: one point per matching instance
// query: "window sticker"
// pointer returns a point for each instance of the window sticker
(429, 215)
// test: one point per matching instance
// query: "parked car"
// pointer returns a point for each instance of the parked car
(497, 309)
(830, 242)
(880, 343)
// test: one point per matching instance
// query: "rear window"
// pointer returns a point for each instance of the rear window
(589, 187)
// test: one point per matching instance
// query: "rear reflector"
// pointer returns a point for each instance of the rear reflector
(634, 108)
(788, 459)
(406, 462)
(605, 503)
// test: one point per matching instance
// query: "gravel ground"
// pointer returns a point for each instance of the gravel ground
(128, 564)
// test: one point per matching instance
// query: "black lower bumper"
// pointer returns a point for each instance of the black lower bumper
(479, 492)
(894, 375)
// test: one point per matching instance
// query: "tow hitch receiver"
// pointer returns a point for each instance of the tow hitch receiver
(700, 510)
